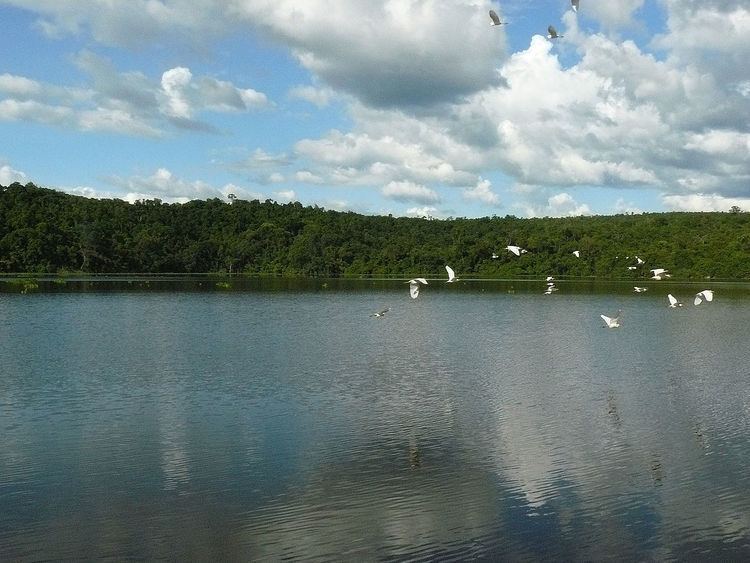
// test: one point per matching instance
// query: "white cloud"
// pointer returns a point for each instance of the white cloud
(422, 56)
(622, 206)
(319, 97)
(164, 185)
(307, 177)
(409, 191)
(558, 205)
(704, 202)
(174, 82)
(286, 195)
(9, 175)
(427, 211)
(126, 103)
(482, 192)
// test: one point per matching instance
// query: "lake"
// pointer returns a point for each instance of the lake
(270, 419)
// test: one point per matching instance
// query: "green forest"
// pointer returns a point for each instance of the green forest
(47, 231)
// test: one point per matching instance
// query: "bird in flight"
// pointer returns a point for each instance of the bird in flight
(639, 289)
(611, 322)
(552, 33)
(706, 294)
(673, 302)
(381, 313)
(451, 275)
(576, 253)
(414, 286)
(517, 250)
(495, 19)
(574, 5)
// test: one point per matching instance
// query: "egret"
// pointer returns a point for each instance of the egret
(631, 268)
(414, 286)
(517, 250)
(706, 294)
(639, 261)
(639, 289)
(552, 33)
(673, 301)
(577, 253)
(495, 19)
(381, 313)
(574, 5)
(550, 278)
(494, 255)
(451, 274)
(612, 322)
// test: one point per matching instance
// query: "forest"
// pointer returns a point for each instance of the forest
(48, 231)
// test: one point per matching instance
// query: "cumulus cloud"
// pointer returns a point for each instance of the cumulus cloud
(704, 202)
(422, 57)
(164, 185)
(426, 212)
(9, 175)
(409, 191)
(285, 195)
(482, 192)
(558, 205)
(123, 102)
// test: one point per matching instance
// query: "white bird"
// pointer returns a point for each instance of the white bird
(673, 302)
(495, 19)
(639, 289)
(451, 274)
(550, 278)
(517, 250)
(494, 255)
(414, 286)
(658, 271)
(552, 33)
(631, 268)
(574, 5)
(577, 253)
(706, 294)
(638, 260)
(611, 322)
(381, 313)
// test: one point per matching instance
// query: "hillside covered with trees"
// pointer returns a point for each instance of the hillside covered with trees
(44, 230)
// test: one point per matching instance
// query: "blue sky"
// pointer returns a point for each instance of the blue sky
(414, 107)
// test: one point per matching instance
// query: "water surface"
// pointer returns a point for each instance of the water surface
(482, 420)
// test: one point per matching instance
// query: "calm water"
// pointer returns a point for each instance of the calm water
(469, 423)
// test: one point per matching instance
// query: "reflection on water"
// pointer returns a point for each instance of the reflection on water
(463, 424)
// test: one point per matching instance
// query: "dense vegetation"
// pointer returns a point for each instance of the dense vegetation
(43, 230)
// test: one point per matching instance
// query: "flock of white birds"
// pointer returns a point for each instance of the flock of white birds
(658, 274)
(609, 322)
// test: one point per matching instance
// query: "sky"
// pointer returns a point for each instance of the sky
(404, 107)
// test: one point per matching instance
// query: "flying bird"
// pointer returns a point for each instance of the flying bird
(574, 5)
(414, 286)
(612, 322)
(381, 313)
(706, 294)
(552, 33)
(451, 274)
(495, 19)
(639, 261)
(631, 268)
(550, 278)
(577, 253)
(517, 250)
(639, 289)
(673, 302)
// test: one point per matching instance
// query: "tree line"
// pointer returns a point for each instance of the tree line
(45, 230)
